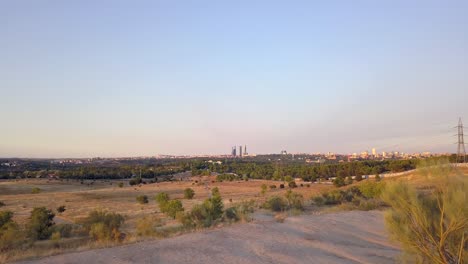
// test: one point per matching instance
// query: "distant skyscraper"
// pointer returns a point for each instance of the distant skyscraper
(233, 151)
(240, 151)
(374, 152)
(245, 150)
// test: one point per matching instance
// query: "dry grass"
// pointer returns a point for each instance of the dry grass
(80, 199)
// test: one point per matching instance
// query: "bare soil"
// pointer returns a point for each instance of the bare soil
(343, 237)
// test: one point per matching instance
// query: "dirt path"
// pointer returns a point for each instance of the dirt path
(345, 237)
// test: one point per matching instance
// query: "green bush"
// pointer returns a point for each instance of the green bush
(371, 189)
(431, 225)
(295, 200)
(264, 189)
(142, 199)
(5, 218)
(231, 214)
(272, 186)
(281, 186)
(292, 184)
(339, 181)
(162, 198)
(276, 204)
(35, 190)
(173, 207)
(103, 226)
(205, 214)
(40, 223)
(11, 236)
(2, 204)
(189, 193)
(121, 185)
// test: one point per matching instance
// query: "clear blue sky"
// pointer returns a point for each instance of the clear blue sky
(127, 78)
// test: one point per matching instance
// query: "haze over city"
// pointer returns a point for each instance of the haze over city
(174, 77)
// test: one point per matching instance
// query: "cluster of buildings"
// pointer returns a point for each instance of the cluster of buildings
(388, 155)
(240, 154)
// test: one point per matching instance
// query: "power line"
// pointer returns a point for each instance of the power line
(461, 153)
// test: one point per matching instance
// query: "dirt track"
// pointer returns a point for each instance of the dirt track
(345, 237)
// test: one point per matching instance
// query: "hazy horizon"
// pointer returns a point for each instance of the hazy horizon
(121, 79)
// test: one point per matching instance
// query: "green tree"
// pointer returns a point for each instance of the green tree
(40, 223)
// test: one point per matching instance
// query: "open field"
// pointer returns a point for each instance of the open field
(80, 199)
(344, 237)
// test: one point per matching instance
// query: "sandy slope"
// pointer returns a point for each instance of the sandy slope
(345, 237)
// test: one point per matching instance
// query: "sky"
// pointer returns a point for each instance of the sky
(140, 78)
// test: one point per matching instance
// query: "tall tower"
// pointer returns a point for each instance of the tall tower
(233, 151)
(461, 153)
(245, 150)
(240, 151)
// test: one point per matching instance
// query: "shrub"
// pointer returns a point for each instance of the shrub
(349, 180)
(103, 226)
(2, 204)
(10, 235)
(40, 223)
(134, 181)
(189, 193)
(358, 177)
(146, 226)
(121, 185)
(272, 186)
(65, 230)
(207, 213)
(281, 186)
(339, 182)
(276, 204)
(371, 189)
(231, 214)
(35, 190)
(173, 207)
(6, 217)
(61, 209)
(292, 184)
(431, 225)
(295, 200)
(162, 198)
(240, 211)
(264, 188)
(142, 199)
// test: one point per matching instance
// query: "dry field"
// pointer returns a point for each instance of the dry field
(80, 199)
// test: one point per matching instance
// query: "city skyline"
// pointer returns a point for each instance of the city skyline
(178, 78)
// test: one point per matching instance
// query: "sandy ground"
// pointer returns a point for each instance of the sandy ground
(344, 237)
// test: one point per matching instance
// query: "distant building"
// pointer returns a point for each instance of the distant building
(240, 151)
(374, 152)
(284, 152)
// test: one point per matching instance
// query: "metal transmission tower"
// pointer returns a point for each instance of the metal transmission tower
(461, 153)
